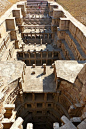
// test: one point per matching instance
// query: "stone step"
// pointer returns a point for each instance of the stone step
(36, 6)
(38, 12)
(36, 2)
(77, 45)
(68, 49)
(36, 23)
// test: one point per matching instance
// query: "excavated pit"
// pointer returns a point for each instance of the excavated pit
(41, 109)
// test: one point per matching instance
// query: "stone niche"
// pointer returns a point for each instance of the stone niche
(64, 24)
(17, 13)
(22, 6)
(57, 13)
(10, 24)
(18, 16)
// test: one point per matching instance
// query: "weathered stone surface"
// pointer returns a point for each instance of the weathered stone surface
(68, 70)
(68, 126)
(82, 125)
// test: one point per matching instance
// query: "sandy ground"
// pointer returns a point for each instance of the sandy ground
(77, 8)
(5, 5)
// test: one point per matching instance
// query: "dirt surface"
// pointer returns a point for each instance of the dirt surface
(76, 8)
(6, 4)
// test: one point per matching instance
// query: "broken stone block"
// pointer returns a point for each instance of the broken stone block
(33, 72)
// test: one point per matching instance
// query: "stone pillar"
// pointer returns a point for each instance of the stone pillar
(0, 35)
(55, 76)
(20, 83)
(35, 35)
(41, 56)
(34, 65)
(48, 36)
(34, 44)
(47, 55)
(16, 44)
(45, 97)
(21, 96)
(5, 43)
(29, 58)
(22, 35)
(23, 55)
(33, 96)
(53, 65)
(52, 56)
(35, 55)
(23, 47)
(22, 77)
(21, 28)
(41, 41)
(44, 66)
(29, 126)
(24, 67)
(52, 35)
(54, 68)
(43, 35)
(31, 35)
(10, 53)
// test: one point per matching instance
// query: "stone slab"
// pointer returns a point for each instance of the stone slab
(39, 82)
(68, 70)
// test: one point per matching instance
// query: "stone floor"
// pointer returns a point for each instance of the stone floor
(39, 82)
(69, 69)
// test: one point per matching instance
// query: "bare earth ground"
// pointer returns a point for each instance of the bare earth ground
(76, 7)
(6, 4)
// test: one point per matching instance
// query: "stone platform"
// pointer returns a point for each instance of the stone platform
(39, 82)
